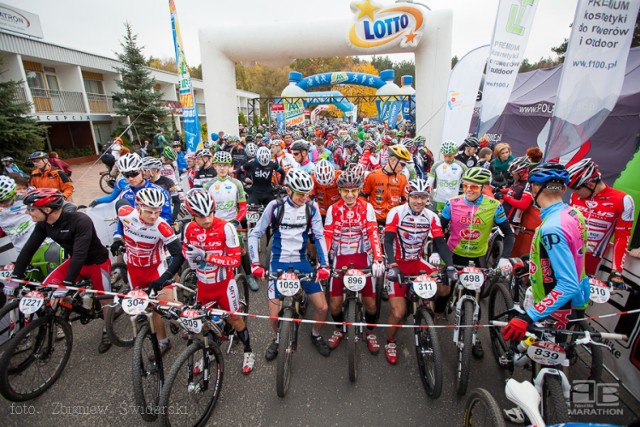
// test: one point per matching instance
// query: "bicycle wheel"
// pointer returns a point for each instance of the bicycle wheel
(243, 289)
(428, 353)
(148, 375)
(28, 371)
(482, 410)
(499, 302)
(585, 360)
(117, 322)
(11, 320)
(189, 279)
(554, 407)
(104, 183)
(285, 356)
(379, 289)
(188, 398)
(353, 336)
(119, 278)
(465, 337)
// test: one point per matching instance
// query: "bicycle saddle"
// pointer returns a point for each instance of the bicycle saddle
(525, 395)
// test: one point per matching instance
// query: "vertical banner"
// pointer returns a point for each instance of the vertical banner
(510, 36)
(462, 93)
(394, 111)
(294, 111)
(190, 118)
(592, 73)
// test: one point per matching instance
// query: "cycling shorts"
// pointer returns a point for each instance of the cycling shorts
(408, 268)
(309, 287)
(141, 277)
(359, 261)
(100, 275)
(225, 293)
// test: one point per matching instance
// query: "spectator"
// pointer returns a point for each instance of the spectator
(58, 163)
(159, 142)
(535, 156)
(181, 160)
(484, 157)
(500, 165)
(484, 141)
(116, 146)
(144, 148)
(10, 167)
(44, 176)
(177, 137)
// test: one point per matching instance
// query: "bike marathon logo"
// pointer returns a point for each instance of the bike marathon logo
(377, 27)
(590, 398)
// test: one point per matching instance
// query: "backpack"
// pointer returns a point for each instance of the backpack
(278, 213)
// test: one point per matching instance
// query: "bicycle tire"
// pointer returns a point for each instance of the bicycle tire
(117, 322)
(428, 354)
(175, 388)
(488, 285)
(104, 183)
(189, 279)
(147, 376)
(499, 302)
(285, 356)
(353, 354)
(11, 328)
(41, 351)
(590, 355)
(243, 289)
(554, 408)
(119, 278)
(379, 283)
(482, 409)
(464, 354)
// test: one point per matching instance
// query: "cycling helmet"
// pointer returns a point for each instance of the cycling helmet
(251, 150)
(150, 197)
(249, 138)
(299, 181)
(7, 187)
(370, 144)
(519, 164)
(408, 143)
(278, 142)
(324, 172)
(176, 144)
(44, 198)
(400, 152)
(209, 144)
(130, 162)
(583, 172)
(386, 140)
(400, 134)
(190, 156)
(418, 187)
(199, 202)
(449, 147)
(266, 139)
(360, 169)
(37, 155)
(263, 156)
(420, 140)
(300, 145)
(471, 142)
(169, 154)
(203, 153)
(149, 163)
(222, 158)
(349, 143)
(549, 172)
(332, 145)
(7, 159)
(477, 174)
(349, 179)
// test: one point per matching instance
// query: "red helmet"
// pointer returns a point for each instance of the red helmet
(44, 198)
(583, 172)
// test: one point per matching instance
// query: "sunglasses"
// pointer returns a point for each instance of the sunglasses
(301, 194)
(472, 187)
(131, 174)
(296, 154)
(350, 190)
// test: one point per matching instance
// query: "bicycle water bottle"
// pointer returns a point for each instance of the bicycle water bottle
(524, 344)
(528, 298)
(218, 324)
(87, 301)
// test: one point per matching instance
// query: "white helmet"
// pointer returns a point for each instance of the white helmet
(149, 163)
(299, 181)
(204, 152)
(324, 172)
(251, 149)
(263, 156)
(130, 162)
(199, 202)
(7, 187)
(151, 197)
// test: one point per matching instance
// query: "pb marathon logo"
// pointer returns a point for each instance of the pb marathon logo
(591, 398)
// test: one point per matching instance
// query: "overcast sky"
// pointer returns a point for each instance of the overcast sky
(96, 26)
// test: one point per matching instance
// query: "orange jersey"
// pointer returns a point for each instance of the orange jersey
(326, 195)
(384, 191)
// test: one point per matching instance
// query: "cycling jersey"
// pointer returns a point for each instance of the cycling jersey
(610, 212)
(326, 195)
(411, 231)
(307, 166)
(203, 176)
(447, 178)
(338, 157)
(16, 224)
(556, 264)
(370, 161)
(129, 195)
(517, 200)
(286, 161)
(165, 183)
(229, 196)
(191, 176)
(384, 191)
(261, 175)
(170, 172)
(467, 160)
(238, 157)
(350, 231)
(383, 157)
(120, 185)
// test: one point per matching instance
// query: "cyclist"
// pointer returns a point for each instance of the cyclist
(607, 211)
(144, 235)
(206, 171)
(151, 168)
(15, 222)
(410, 170)
(74, 231)
(469, 148)
(9, 166)
(423, 158)
(292, 219)
(369, 159)
(386, 188)
(181, 161)
(445, 176)
(516, 198)
(192, 168)
(351, 234)
(471, 218)
(44, 176)
(556, 264)
(259, 173)
(406, 233)
(325, 188)
(300, 152)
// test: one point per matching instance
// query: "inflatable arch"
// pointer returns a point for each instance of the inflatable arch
(369, 28)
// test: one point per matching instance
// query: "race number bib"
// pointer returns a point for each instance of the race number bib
(354, 280)
(288, 284)
(600, 292)
(31, 302)
(189, 321)
(253, 217)
(135, 302)
(6, 271)
(424, 286)
(472, 278)
(546, 353)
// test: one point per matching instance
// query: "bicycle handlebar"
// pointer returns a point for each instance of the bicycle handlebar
(553, 331)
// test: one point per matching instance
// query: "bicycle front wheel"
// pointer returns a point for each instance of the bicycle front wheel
(35, 358)
(585, 360)
(429, 355)
(482, 410)
(465, 344)
(11, 320)
(554, 407)
(104, 183)
(285, 356)
(353, 336)
(189, 279)
(500, 302)
(192, 387)
(148, 373)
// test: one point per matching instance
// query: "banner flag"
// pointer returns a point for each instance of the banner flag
(462, 93)
(190, 119)
(510, 37)
(592, 73)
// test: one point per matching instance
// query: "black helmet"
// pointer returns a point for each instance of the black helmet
(471, 142)
(37, 155)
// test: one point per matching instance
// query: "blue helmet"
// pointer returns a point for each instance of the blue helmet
(549, 172)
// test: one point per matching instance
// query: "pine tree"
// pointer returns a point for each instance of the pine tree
(137, 98)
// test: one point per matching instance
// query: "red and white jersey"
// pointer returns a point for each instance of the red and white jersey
(412, 230)
(350, 231)
(610, 212)
(370, 161)
(220, 240)
(144, 243)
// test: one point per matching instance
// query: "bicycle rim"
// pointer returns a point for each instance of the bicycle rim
(428, 354)
(499, 302)
(285, 356)
(464, 354)
(104, 185)
(148, 376)
(482, 410)
(352, 339)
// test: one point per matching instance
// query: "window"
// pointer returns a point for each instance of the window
(93, 86)
(35, 80)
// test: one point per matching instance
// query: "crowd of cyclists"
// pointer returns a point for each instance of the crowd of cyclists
(334, 195)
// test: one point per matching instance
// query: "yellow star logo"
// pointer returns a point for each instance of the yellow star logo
(410, 37)
(367, 9)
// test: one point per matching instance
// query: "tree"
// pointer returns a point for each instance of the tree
(136, 97)
(20, 134)
(165, 64)
(404, 68)
(365, 109)
(454, 61)
(381, 63)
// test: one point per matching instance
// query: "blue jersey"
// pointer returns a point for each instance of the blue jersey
(120, 185)
(129, 194)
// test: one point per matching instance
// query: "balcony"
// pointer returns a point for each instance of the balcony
(200, 107)
(99, 103)
(57, 101)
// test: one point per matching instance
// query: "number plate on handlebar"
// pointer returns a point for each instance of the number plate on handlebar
(6, 271)
(288, 284)
(546, 353)
(472, 278)
(354, 280)
(135, 302)
(31, 302)
(424, 286)
(189, 322)
(600, 292)
(253, 217)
